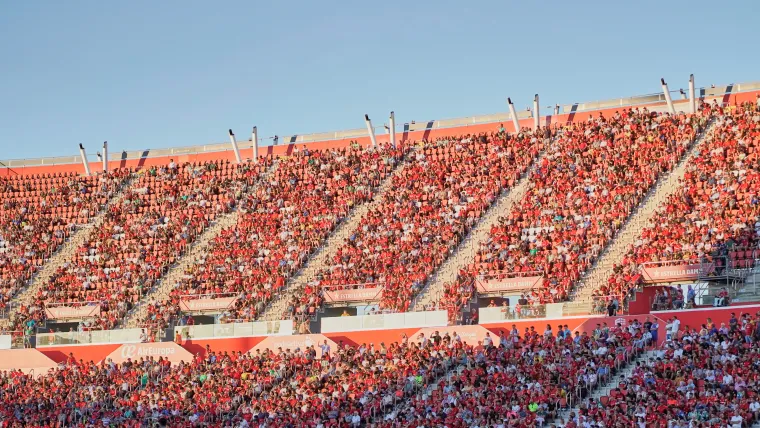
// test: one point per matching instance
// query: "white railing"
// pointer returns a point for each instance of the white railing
(385, 321)
(128, 335)
(247, 329)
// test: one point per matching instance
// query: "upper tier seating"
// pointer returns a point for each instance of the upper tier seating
(38, 213)
(591, 178)
(279, 228)
(434, 200)
(714, 215)
(161, 213)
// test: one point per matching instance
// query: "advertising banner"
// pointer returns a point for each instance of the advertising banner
(26, 360)
(515, 284)
(168, 350)
(206, 305)
(677, 272)
(72, 312)
(370, 294)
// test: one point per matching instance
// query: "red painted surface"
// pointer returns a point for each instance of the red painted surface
(80, 352)
(376, 336)
(242, 344)
(643, 302)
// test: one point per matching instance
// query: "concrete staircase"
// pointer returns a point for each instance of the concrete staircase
(198, 248)
(64, 254)
(603, 389)
(601, 270)
(750, 291)
(465, 253)
(402, 406)
(323, 255)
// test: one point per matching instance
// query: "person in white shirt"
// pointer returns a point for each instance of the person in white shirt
(678, 353)
(325, 347)
(754, 407)
(356, 420)
(728, 379)
(669, 330)
(487, 341)
(736, 421)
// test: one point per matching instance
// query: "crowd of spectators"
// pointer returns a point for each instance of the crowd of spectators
(279, 227)
(594, 173)
(704, 376)
(439, 195)
(347, 386)
(38, 213)
(713, 217)
(164, 209)
(522, 379)
(526, 379)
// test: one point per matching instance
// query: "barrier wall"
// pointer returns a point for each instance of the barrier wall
(260, 328)
(385, 321)
(127, 335)
(26, 360)
(470, 334)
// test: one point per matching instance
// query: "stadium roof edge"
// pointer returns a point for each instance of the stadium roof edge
(637, 100)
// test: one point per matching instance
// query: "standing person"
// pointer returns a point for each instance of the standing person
(676, 327)
(611, 308)
(325, 347)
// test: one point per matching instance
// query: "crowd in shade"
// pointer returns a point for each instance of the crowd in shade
(143, 232)
(435, 199)
(38, 213)
(593, 174)
(282, 222)
(713, 218)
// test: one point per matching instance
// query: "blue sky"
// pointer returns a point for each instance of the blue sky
(147, 74)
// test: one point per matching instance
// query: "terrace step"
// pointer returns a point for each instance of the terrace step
(666, 185)
(464, 254)
(603, 389)
(197, 248)
(322, 256)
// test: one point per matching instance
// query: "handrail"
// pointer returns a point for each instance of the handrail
(356, 286)
(502, 274)
(73, 304)
(208, 295)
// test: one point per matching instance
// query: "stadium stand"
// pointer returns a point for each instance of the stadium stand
(526, 379)
(347, 386)
(444, 190)
(281, 225)
(594, 174)
(703, 376)
(162, 212)
(585, 180)
(38, 213)
(712, 216)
